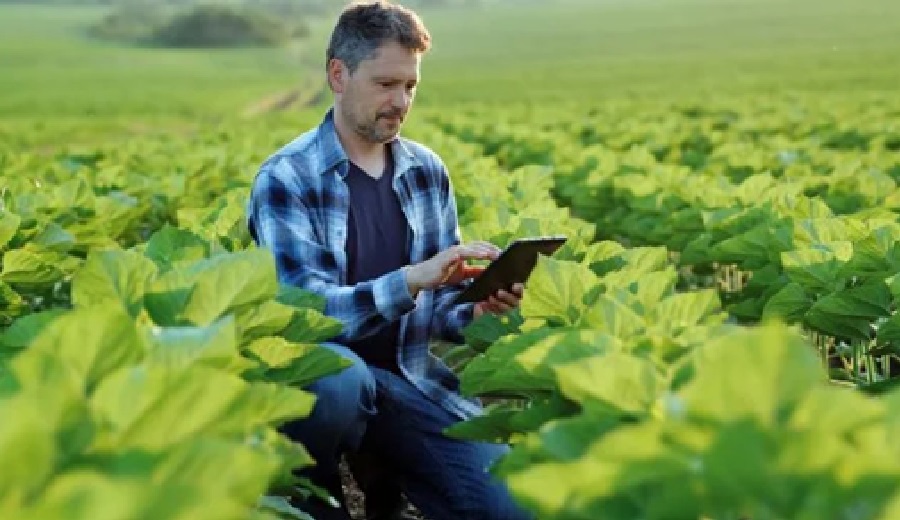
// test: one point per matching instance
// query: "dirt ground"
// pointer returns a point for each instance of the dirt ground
(356, 502)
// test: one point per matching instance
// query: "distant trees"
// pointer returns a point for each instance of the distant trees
(202, 25)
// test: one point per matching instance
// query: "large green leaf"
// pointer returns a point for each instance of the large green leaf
(118, 277)
(81, 348)
(617, 381)
(208, 289)
(501, 423)
(24, 330)
(33, 266)
(87, 494)
(789, 304)
(755, 248)
(214, 345)
(297, 297)
(615, 314)
(54, 238)
(263, 319)
(784, 368)
(682, 310)
(297, 364)
(849, 313)
(171, 246)
(817, 268)
(28, 450)
(311, 326)
(628, 473)
(493, 371)
(9, 223)
(556, 291)
(154, 406)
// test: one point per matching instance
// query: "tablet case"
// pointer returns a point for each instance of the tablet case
(514, 265)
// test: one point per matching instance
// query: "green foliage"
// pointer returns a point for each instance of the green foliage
(221, 26)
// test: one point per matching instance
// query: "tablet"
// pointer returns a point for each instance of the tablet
(514, 265)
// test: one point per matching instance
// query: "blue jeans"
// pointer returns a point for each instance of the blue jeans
(380, 412)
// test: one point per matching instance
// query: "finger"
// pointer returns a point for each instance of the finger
(507, 298)
(518, 289)
(452, 271)
(498, 306)
(480, 250)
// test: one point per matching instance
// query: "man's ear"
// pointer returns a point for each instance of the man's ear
(337, 75)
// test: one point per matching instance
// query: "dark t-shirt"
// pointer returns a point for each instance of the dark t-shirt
(377, 243)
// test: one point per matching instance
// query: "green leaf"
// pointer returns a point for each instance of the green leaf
(297, 297)
(817, 268)
(262, 319)
(754, 248)
(502, 422)
(24, 330)
(54, 238)
(119, 277)
(297, 364)
(556, 289)
(154, 406)
(849, 313)
(784, 368)
(686, 309)
(214, 346)
(311, 326)
(493, 371)
(171, 246)
(208, 289)
(28, 450)
(9, 223)
(617, 381)
(278, 352)
(79, 349)
(790, 303)
(613, 315)
(888, 331)
(488, 328)
(282, 507)
(32, 266)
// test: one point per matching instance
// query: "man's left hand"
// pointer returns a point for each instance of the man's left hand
(500, 302)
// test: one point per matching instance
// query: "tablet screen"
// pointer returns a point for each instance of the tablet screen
(514, 265)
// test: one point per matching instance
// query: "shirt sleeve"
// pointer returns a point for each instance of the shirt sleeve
(280, 222)
(448, 318)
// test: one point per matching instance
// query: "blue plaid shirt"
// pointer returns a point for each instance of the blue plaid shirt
(298, 210)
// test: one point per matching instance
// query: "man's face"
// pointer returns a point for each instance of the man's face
(375, 99)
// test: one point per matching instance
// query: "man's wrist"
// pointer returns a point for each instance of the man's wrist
(412, 281)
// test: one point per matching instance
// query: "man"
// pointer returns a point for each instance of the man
(368, 220)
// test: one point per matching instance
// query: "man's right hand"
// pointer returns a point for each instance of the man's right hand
(447, 267)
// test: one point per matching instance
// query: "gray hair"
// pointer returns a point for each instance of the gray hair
(364, 27)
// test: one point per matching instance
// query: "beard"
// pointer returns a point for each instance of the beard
(383, 128)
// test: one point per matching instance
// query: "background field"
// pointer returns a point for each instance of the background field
(576, 51)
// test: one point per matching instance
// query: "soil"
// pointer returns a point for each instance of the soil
(356, 500)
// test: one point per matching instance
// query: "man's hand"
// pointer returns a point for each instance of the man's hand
(501, 302)
(448, 266)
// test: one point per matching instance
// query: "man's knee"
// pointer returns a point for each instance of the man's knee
(495, 503)
(344, 402)
(352, 387)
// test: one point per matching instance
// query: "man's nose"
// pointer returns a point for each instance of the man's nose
(402, 99)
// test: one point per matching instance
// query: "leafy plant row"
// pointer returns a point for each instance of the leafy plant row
(792, 219)
(144, 367)
(627, 397)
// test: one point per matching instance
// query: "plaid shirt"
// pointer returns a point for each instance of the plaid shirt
(298, 210)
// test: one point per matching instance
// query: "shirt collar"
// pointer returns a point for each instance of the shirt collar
(333, 155)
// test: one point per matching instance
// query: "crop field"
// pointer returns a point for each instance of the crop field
(718, 339)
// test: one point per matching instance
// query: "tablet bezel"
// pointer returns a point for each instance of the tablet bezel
(514, 265)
